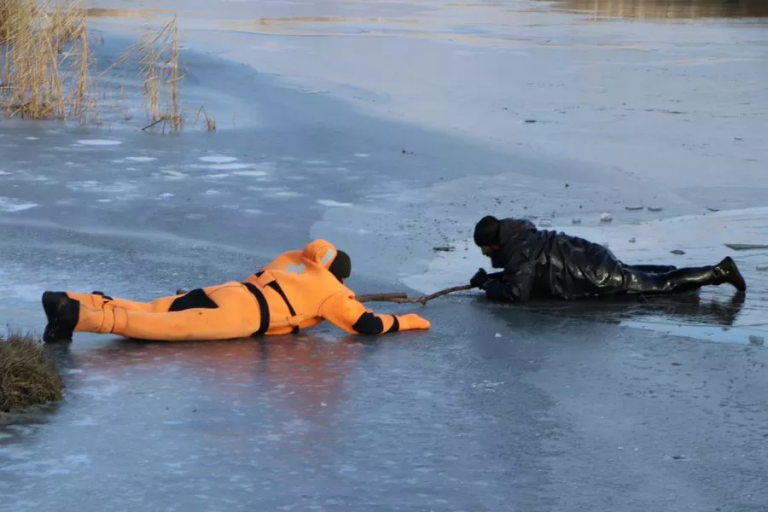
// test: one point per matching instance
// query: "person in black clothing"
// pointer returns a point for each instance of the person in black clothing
(548, 264)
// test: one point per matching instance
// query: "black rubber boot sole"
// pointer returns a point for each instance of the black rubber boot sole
(62, 314)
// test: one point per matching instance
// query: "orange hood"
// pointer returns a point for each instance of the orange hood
(321, 252)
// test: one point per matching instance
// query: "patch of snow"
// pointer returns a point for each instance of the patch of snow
(95, 186)
(174, 175)
(250, 173)
(99, 142)
(217, 159)
(140, 158)
(332, 203)
(284, 194)
(11, 205)
(362, 155)
(228, 167)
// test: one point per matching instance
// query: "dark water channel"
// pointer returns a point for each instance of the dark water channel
(668, 9)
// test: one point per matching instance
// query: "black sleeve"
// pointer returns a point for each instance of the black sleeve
(512, 285)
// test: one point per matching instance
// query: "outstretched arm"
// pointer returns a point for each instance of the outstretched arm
(512, 285)
(346, 313)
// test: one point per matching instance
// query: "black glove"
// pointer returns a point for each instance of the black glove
(479, 279)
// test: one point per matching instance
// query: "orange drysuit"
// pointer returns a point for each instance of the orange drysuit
(293, 292)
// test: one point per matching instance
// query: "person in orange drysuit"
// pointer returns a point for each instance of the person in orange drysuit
(296, 291)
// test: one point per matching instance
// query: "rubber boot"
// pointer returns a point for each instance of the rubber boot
(684, 279)
(728, 272)
(62, 314)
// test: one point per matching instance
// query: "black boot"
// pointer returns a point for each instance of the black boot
(727, 272)
(62, 314)
(683, 279)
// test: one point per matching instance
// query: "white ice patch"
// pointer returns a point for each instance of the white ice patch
(99, 142)
(174, 175)
(217, 159)
(140, 158)
(166, 195)
(284, 194)
(332, 203)
(11, 205)
(95, 186)
(228, 167)
(362, 155)
(4, 173)
(250, 173)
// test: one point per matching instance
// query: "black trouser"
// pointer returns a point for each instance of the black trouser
(652, 269)
(676, 281)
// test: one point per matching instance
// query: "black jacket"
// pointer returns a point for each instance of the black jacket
(543, 263)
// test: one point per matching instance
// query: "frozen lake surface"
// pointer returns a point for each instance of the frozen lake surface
(390, 128)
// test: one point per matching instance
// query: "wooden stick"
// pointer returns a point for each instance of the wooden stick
(427, 298)
(403, 299)
(383, 297)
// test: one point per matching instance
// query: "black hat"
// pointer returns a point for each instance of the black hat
(487, 231)
(341, 267)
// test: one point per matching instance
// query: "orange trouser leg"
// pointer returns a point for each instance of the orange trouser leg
(237, 316)
(159, 305)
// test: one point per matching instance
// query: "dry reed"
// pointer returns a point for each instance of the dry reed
(47, 59)
(28, 376)
(47, 70)
(159, 55)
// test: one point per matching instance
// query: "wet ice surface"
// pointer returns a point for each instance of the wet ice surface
(495, 408)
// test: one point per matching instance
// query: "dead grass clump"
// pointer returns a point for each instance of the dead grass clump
(28, 376)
